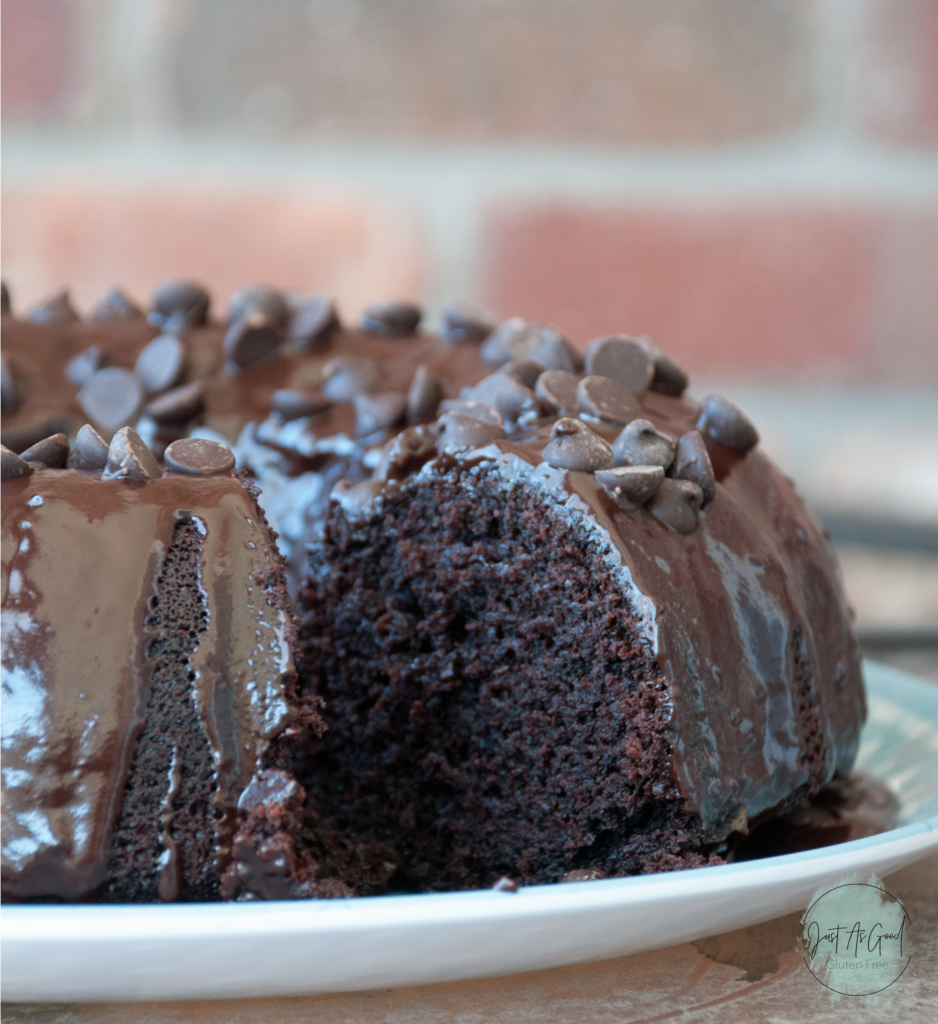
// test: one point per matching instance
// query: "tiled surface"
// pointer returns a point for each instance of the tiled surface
(745, 977)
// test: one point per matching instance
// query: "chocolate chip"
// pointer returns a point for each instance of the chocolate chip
(478, 410)
(178, 406)
(677, 504)
(631, 485)
(5, 306)
(197, 456)
(51, 452)
(9, 398)
(607, 400)
(393, 319)
(12, 466)
(642, 444)
(519, 339)
(622, 359)
(249, 341)
(128, 458)
(356, 500)
(406, 453)
(424, 396)
(79, 368)
(505, 884)
(89, 452)
(574, 446)
(293, 405)
(458, 430)
(557, 390)
(116, 306)
(669, 378)
(57, 309)
(692, 462)
(722, 421)
(314, 321)
(378, 412)
(259, 298)
(159, 365)
(525, 371)
(111, 397)
(461, 324)
(348, 376)
(179, 305)
(514, 401)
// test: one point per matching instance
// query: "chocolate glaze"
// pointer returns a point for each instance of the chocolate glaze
(76, 672)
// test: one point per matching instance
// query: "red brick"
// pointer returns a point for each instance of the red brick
(899, 79)
(749, 291)
(687, 71)
(92, 237)
(37, 55)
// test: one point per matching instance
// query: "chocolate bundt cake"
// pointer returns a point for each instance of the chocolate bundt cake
(558, 620)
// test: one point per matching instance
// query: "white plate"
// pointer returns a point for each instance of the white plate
(205, 951)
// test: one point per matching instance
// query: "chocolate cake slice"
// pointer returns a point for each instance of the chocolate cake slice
(562, 646)
(149, 689)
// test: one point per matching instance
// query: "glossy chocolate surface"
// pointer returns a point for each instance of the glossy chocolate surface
(80, 560)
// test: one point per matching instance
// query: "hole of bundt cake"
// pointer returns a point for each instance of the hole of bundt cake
(172, 747)
(491, 707)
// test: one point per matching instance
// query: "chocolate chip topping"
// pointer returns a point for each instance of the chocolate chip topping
(314, 321)
(159, 365)
(12, 466)
(9, 399)
(518, 339)
(5, 306)
(249, 341)
(116, 306)
(348, 376)
(607, 400)
(622, 359)
(524, 371)
(514, 401)
(292, 405)
(259, 298)
(574, 446)
(631, 485)
(460, 430)
(51, 452)
(424, 396)
(57, 309)
(692, 462)
(642, 444)
(394, 319)
(178, 305)
(461, 324)
(669, 378)
(178, 406)
(557, 390)
(722, 421)
(378, 412)
(111, 397)
(406, 453)
(128, 458)
(478, 410)
(89, 452)
(677, 504)
(197, 456)
(79, 368)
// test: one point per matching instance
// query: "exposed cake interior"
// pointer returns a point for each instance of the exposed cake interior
(493, 705)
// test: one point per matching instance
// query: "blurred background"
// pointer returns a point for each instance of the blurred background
(755, 185)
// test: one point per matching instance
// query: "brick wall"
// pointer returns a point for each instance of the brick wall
(754, 184)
